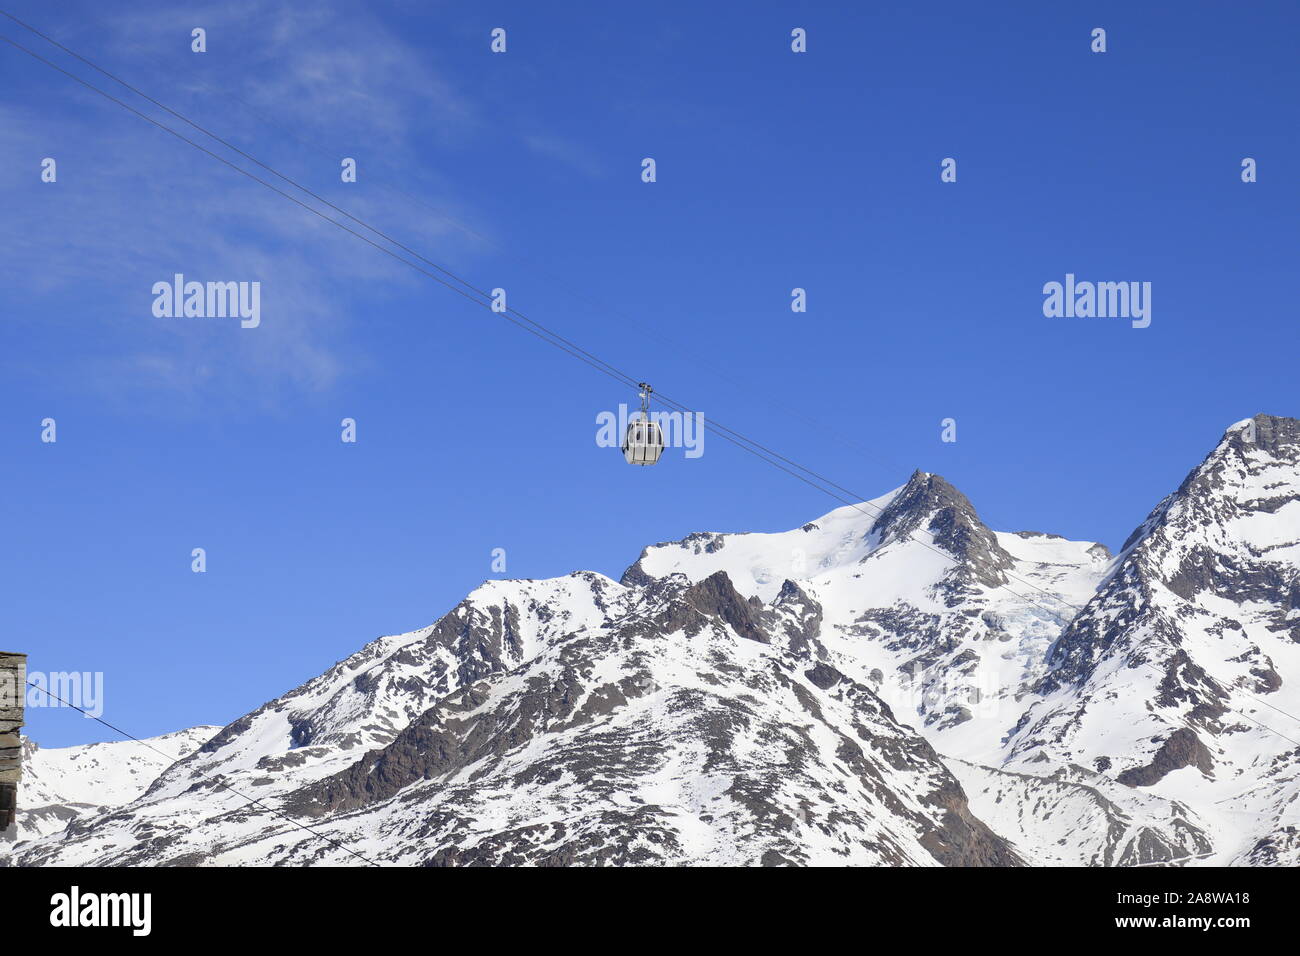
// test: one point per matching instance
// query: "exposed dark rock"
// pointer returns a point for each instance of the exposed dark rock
(717, 597)
(824, 676)
(1182, 749)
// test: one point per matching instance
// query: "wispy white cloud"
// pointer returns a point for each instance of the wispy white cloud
(328, 66)
(133, 206)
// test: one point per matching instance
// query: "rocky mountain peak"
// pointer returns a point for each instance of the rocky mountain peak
(1260, 451)
(1231, 531)
(929, 503)
(1273, 434)
(1233, 525)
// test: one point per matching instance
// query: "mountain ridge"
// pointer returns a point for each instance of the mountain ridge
(871, 687)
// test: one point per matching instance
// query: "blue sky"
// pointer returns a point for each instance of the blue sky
(522, 170)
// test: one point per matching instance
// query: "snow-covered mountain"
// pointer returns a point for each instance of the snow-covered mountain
(892, 683)
(63, 783)
(1182, 674)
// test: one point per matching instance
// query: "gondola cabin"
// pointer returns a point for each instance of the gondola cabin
(643, 443)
